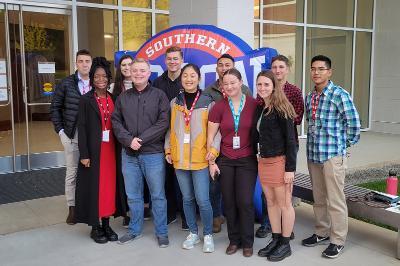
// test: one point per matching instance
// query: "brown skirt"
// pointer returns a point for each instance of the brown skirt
(272, 171)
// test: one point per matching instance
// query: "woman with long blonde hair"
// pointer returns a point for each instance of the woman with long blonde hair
(276, 162)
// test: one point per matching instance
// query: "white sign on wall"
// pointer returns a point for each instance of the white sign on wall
(3, 80)
(3, 69)
(46, 67)
(3, 95)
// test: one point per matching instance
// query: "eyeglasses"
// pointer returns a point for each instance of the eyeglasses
(99, 77)
(318, 69)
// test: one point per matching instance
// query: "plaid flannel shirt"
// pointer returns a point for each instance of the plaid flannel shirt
(336, 125)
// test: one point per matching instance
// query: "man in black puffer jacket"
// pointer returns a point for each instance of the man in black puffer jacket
(64, 115)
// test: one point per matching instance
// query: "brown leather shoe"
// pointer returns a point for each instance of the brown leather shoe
(217, 222)
(247, 252)
(71, 216)
(231, 249)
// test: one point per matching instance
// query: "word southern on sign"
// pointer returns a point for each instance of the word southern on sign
(203, 45)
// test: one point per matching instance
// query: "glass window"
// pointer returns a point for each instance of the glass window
(106, 2)
(162, 4)
(98, 31)
(136, 29)
(257, 8)
(288, 40)
(162, 22)
(338, 46)
(137, 3)
(362, 73)
(365, 10)
(256, 35)
(328, 12)
(283, 10)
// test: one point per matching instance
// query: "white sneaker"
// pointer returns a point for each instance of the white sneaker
(208, 245)
(191, 240)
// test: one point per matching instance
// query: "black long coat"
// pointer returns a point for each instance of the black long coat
(87, 181)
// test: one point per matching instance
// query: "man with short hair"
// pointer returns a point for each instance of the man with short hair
(170, 83)
(216, 92)
(140, 122)
(64, 115)
(333, 126)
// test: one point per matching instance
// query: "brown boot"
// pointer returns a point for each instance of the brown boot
(217, 222)
(71, 216)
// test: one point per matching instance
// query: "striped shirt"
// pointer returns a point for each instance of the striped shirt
(336, 125)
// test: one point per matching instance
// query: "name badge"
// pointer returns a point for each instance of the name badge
(106, 136)
(186, 138)
(236, 142)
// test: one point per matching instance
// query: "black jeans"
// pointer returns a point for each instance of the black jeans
(172, 193)
(238, 179)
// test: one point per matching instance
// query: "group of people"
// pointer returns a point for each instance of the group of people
(205, 147)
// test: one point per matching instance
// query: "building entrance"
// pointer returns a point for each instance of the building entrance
(35, 45)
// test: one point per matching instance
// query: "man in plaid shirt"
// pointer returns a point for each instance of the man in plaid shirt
(333, 126)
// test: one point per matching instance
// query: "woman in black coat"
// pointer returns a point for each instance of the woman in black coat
(99, 188)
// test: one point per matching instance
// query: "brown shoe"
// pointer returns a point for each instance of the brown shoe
(231, 249)
(71, 216)
(247, 252)
(217, 222)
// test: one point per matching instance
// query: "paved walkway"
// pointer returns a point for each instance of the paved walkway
(61, 244)
(34, 233)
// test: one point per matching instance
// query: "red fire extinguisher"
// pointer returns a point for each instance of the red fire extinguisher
(391, 183)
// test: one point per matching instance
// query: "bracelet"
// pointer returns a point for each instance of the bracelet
(211, 164)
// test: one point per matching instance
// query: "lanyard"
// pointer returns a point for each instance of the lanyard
(236, 117)
(106, 111)
(188, 115)
(314, 104)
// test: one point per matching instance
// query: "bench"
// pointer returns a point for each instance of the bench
(302, 189)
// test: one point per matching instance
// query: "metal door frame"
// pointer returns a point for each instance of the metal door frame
(31, 160)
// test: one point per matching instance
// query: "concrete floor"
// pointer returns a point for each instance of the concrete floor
(55, 243)
(34, 232)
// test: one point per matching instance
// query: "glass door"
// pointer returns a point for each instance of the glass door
(7, 132)
(39, 44)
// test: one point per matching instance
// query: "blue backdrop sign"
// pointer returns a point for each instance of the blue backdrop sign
(202, 45)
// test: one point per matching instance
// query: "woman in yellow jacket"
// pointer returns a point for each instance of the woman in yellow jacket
(186, 149)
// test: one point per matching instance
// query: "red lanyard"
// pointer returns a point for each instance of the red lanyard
(106, 111)
(188, 115)
(315, 103)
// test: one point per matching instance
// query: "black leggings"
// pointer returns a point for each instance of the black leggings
(238, 178)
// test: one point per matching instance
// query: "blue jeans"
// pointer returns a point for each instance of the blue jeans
(216, 197)
(194, 186)
(152, 168)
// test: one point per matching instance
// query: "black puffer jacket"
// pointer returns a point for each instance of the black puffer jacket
(65, 105)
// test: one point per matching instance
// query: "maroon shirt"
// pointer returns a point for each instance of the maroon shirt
(221, 113)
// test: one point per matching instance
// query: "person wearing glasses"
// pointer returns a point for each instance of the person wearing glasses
(97, 194)
(333, 126)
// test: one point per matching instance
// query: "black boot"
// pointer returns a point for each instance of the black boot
(282, 251)
(109, 233)
(265, 252)
(97, 234)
